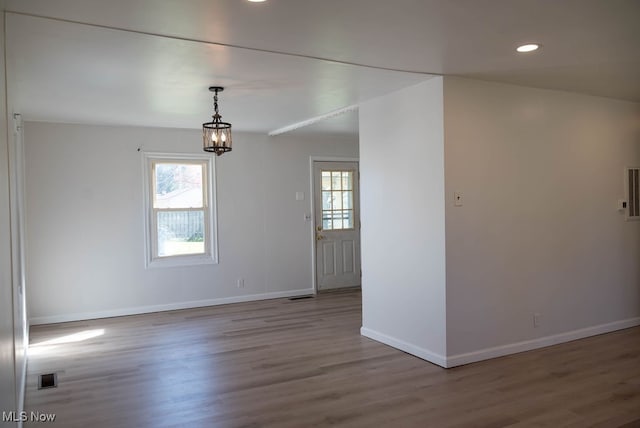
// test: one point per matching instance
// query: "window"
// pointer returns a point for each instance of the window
(180, 213)
(337, 200)
(633, 192)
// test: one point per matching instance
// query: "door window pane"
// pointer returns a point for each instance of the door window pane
(347, 200)
(336, 180)
(337, 200)
(326, 200)
(327, 224)
(347, 180)
(337, 221)
(347, 219)
(326, 180)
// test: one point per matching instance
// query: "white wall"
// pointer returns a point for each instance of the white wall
(539, 232)
(11, 333)
(403, 220)
(541, 172)
(18, 272)
(85, 238)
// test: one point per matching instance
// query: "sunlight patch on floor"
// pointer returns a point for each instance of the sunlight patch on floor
(41, 347)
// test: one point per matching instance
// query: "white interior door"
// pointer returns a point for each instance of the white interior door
(337, 223)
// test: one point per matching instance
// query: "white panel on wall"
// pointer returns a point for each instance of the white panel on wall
(403, 240)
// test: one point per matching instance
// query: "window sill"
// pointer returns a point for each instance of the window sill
(176, 261)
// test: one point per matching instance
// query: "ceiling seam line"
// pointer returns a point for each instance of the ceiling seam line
(227, 45)
(313, 120)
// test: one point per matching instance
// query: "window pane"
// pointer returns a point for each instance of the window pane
(326, 220)
(178, 186)
(336, 180)
(337, 220)
(326, 200)
(347, 180)
(326, 180)
(347, 221)
(337, 200)
(180, 232)
(347, 200)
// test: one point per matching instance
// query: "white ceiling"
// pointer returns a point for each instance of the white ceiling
(149, 62)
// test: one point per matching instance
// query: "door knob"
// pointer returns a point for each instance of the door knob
(319, 237)
(319, 228)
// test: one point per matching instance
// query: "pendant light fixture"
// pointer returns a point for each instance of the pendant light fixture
(216, 135)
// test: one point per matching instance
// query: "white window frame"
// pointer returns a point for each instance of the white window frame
(627, 190)
(210, 255)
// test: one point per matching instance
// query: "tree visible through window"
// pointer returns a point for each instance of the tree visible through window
(180, 218)
(179, 205)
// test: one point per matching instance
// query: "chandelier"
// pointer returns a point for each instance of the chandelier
(216, 135)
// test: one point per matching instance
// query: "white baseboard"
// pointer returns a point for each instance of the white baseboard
(498, 351)
(423, 353)
(52, 319)
(528, 345)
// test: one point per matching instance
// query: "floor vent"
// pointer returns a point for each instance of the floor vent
(49, 380)
(300, 297)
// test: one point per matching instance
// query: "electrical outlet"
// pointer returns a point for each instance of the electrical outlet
(536, 320)
(622, 205)
(240, 283)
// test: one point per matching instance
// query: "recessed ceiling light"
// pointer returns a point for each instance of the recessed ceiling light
(528, 47)
(257, 1)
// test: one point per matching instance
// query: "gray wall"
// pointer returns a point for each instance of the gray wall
(541, 172)
(85, 233)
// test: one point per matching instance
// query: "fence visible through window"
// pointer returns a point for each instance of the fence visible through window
(337, 200)
(182, 225)
(180, 232)
(179, 202)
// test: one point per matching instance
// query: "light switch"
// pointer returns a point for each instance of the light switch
(299, 196)
(457, 199)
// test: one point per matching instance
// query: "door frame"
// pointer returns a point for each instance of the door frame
(17, 177)
(312, 159)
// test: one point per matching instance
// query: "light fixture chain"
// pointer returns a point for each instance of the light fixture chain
(215, 103)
